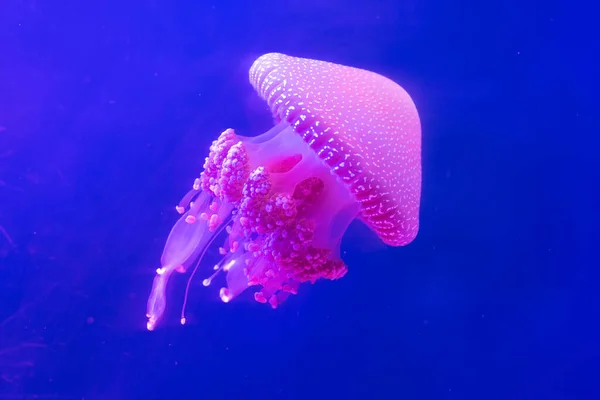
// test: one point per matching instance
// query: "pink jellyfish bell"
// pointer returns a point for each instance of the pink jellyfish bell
(347, 144)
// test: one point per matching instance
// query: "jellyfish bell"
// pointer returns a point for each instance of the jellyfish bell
(346, 144)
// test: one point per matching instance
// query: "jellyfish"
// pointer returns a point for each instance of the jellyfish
(346, 144)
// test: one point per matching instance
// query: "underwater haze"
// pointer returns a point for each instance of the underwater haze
(108, 110)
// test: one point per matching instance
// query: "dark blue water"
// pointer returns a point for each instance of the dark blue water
(107, 110)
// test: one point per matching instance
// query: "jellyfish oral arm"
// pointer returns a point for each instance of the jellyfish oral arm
(187, 240)
(157, 300)
(284, 213)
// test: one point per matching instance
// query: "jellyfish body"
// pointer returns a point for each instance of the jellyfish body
(346, 145)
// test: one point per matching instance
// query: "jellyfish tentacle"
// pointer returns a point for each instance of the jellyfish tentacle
(189, 282)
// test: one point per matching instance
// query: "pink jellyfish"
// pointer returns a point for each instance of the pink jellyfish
(346, 144)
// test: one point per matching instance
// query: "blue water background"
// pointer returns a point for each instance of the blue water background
(107, 109)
